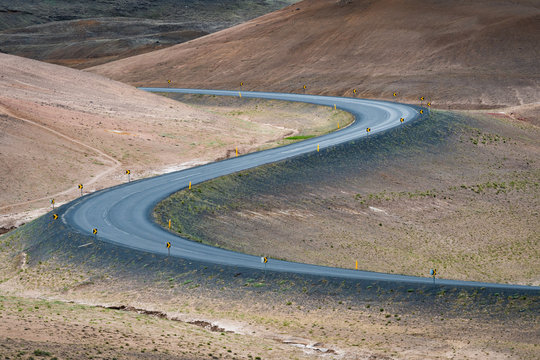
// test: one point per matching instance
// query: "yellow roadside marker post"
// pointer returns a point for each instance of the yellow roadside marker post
(239, 94)
(128, 173)
(236, 151)
(317, 147)
(356, 265)
(81, 187)
(169, 224)
(190, 185)
(335, 108)
(264, 260)
(338, 124)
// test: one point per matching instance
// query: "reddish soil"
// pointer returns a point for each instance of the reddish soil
(458, 54)
(60, 127)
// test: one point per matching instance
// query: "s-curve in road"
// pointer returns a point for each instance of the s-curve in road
(123, 214)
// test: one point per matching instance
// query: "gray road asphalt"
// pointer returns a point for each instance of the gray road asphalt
(122, 214)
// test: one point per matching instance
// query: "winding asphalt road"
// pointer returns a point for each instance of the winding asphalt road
(123, 214)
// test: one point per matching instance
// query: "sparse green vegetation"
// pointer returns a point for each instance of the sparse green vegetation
(502, 187)
(41, 353)
(299, 137)
(285, 303)
(479, 137)
(385, 179)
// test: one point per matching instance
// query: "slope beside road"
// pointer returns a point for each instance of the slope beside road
(123, 214)
(60, 127)
(459, 54)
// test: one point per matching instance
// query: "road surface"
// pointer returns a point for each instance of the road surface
(123, 214)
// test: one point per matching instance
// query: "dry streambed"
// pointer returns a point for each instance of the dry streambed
(66, 330)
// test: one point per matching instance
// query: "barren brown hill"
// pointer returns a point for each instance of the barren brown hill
(89, 42)
(60, 127)
(80, 33)
(458, 53)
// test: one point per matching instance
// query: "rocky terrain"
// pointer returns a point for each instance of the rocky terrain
(81, 33)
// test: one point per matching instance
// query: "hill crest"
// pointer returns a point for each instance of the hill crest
(459, 54)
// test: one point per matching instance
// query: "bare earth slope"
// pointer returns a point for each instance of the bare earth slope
(89, 42)
(60, 127)
(212, 14)
(63, 126)
(460, 53)
(81, 34)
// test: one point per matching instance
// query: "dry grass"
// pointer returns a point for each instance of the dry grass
(60, 127)
(246, 324)
(32, 327)
(466, 206)
(250, 315)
